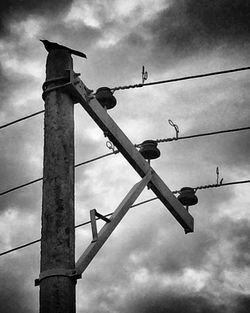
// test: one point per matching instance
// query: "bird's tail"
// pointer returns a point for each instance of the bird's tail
(80, 54)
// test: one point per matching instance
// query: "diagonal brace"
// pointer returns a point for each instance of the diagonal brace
(108, 228)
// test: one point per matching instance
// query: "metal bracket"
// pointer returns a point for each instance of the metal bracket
(93, 215)
(57, 272)
(54, 80)
(71, 79)
(54, 88)
(79, 87)
(144, 74)
(46, 89)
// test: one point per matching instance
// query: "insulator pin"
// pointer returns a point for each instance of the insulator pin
(149, 150)
(105, 97)
(187, 196)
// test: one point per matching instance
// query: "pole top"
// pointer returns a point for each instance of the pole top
(58, 62)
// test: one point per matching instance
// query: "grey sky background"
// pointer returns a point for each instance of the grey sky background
(148, 264)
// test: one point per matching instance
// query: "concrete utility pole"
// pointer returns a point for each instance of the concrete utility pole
(56, 280)
(59, 272)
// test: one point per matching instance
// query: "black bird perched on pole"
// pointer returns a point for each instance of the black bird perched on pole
(53, 46)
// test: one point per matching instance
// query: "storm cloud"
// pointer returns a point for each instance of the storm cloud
(188, 26)
(148, 264)
(12, 10)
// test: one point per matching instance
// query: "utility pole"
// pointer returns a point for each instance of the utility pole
(58, 271)
(57, 281)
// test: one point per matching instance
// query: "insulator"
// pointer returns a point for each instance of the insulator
(105, 97)
(187, 196)
(149, 150)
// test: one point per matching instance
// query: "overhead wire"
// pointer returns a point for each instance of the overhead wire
(222, 184)
(41, 178)
(203, 134)
(134, 205)
(21, 119)
(21, 186)
(147, 84)
(172, 80)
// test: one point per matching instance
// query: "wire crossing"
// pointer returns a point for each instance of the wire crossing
(132, 206)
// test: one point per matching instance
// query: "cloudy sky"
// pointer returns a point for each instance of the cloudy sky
(148, 264)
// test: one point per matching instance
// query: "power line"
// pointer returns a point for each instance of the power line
(132, 206)
(21, 119)
(221, 185)
(203, 134)
(146, 84)
(181, 78)
(38, 240)
(20, 247)
(97, 158)
(21, 186)
(41, 178)
(137, 145)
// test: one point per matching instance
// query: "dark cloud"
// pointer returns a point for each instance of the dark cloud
(190, 302)
(20, 143)
(184, 28)
(173, 303)
(223, 19)
(187, 252)
(171, 255)
(188, 26)
(19, 9)
(18, 272)
(243, 304)
(13, 297)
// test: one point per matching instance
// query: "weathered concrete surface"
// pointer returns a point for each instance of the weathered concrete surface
(57, 294)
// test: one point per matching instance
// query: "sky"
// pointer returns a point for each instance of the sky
(148, 264)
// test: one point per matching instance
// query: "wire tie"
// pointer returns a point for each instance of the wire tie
(176, 129)
(144, 74)
(218, 176)
(111, 146)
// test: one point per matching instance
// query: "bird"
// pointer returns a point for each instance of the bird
(49, 46)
